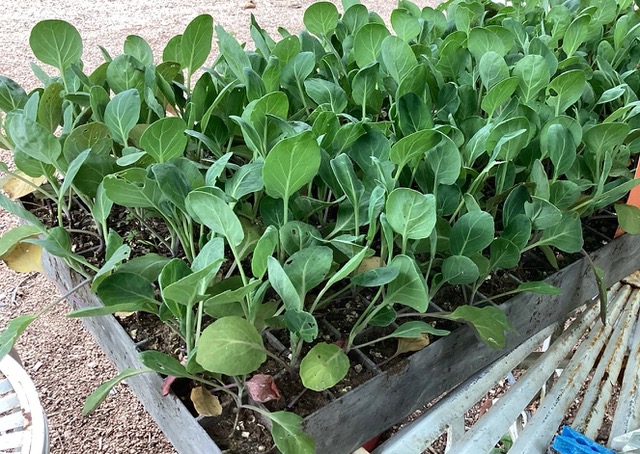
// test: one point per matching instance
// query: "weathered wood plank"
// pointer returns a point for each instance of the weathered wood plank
(181, 429)
(356, 417)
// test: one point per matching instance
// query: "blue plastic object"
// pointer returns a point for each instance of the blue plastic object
(571, 442)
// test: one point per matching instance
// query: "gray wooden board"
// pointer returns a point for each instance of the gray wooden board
(348, 422)
(179, 426)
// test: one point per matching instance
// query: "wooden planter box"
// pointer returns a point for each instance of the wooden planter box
(348, 422)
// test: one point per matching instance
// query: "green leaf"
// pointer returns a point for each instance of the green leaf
(57, 242)
(118, 256)
(33, 139)
(72, 172)
(138, 48)
(533, 74)
(324, 92)
(575, 34)
(459, 269)
(296, 235)
(246, 180)
(125, 73)
(566, 235)
(323, 367)
(56, 43)
(472, 233)
(102, 392)
(605, 137)
(12, 95)
(562, 148)
(500, 93)
(398, 58)
(376, 277)
(302, 324)
(230, 346)
(18, 210)
(164, 139)
(568, 88)
(216, 214)
(50, 107)
(127, 288)
(489, 322)
(264, 248)
(482, 40)
(162, 363)
(288, 435)
(195, 43)
(291, 164)
(413, 113)
(493, 69)
(628, 218)
(409, 288)
(282, 284)
(122, 114)
(321, 18)
(406, 26)
(191, 287)
(410, 213)
(504, 254)
(147, 266)
(414, 329)
(540, 288)
(345, 175)
(367, 43)
(12, 331)
(12, 237)
(308, 267)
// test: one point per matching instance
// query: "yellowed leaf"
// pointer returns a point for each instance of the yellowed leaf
(17, 187)
(123, 314)
(368, 264)
(206, 404)
(249, 5)
(413, 344)
(24, 258)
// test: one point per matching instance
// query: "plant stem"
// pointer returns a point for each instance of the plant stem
(248, 309)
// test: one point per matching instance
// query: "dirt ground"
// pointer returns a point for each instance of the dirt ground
(59, 354)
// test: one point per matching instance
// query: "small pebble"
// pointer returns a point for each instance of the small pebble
(245, 434)
(358, 368)
(261, 448)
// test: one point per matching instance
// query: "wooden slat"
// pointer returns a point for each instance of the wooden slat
(10, 441)
(345, 424)
(181, 429)
(9, 402)
(12, 421)
(5, 386)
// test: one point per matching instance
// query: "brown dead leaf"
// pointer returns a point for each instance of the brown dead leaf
(205, 403)
(414, 344)
(368, 264)
(24, 258)
(249, 5)
(17, 187)
(262, 388)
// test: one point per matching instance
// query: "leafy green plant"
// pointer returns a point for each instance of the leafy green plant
(348, 161)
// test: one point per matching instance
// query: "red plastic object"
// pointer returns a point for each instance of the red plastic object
(634, 198)
(371, 443)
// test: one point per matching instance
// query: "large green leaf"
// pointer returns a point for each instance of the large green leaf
(291, 164)
(12, 95)
(367, 43)
(471, 233)
(282, 284)
(128, 289)
(196, 43)
(628, 217)
(264, 248)
(56, 43)
(164, 139)
(230, 346)
(568, 88)
(398, 58)
(288, 435)
(459, 269)
(33, 139)
(216, 214)
(308, 267)
(566, 235)
(321, 18)
(489, 322)
(409, 288)
(533, 74)
(122, 114)
(410, 213)
(323, 367)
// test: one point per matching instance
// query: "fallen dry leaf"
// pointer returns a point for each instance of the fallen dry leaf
(262, 388)
(249, 5)
(18, 187)
(206, 404)
(123, 315)
(414, 344)
(368, 264)
(24, 258)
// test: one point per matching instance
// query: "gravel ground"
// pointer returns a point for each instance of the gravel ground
(60, 355)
